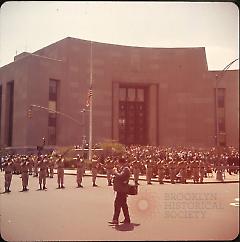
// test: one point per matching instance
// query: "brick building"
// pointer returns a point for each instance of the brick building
(156, 96)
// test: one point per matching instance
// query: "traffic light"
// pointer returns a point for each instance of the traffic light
(29, 114)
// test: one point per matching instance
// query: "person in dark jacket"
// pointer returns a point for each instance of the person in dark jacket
(120, 185)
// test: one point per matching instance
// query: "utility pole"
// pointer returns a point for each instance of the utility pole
(216, 108)
(218, 78)
(84, 131)
(90, 106)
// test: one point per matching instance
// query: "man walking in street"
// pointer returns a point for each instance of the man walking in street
(120, 185)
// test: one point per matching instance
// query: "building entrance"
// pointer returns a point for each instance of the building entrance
(132, 115)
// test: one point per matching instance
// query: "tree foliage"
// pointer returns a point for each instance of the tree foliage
(112, 147)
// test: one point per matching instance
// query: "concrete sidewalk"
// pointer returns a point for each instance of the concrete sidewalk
(234, 178)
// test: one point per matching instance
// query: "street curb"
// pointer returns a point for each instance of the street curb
(142, 179)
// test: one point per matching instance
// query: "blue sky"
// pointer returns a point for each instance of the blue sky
(29, 26)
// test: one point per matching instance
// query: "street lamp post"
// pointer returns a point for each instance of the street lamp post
(216, 108)
(90, 106)
(219, 172)
(82, 124)
(84, 131)
(218, 78)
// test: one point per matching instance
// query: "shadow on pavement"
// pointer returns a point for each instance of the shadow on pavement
(126, 227)
(24, 191)
(4, 192)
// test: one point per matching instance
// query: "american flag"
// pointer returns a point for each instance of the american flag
(90, 93)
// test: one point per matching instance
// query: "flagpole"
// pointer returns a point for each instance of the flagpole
(90, 108)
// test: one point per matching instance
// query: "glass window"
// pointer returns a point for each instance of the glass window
(131, 107)
(220, 101)
(52, 106)
(52, 89)
(222, 139)
(122, 94)
(122, 110)
(131, 114)
(221, 125)
(221, 97)
(122, 122)
(52, 86)
(140, 95)
(221, 91)
(221, 113)
(51, 135)
(131, 94)
(52, 120)
(122, 106)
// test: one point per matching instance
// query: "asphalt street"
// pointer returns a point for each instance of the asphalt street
(158, 212)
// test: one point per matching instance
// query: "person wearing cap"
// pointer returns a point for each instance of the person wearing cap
(201, 171)
(195, 171)
(1, 164)
(172, 171)
(42, 173)
(120, 185)
(46, 161)
(109, 170)
(35, 165)
(30, 166)
(17, 165)
(24, 174)
(51, 166)
(183, 171)
(8, 168)
(60, 171)
(80, 170)
(149, 171)
(94, 169)
(136, 171)
(161, 171)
